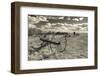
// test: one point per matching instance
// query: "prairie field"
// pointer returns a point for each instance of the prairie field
(58, 47)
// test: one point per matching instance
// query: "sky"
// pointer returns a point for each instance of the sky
(58, 23)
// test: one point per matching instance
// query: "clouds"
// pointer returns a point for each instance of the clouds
(61, 18)
(75, 19)
(42, 18)
(78, 19)
(37, 19)
(58, 23)
(81, 18)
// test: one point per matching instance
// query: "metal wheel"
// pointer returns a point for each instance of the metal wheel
(59, 39)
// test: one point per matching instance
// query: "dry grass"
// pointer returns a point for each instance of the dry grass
(76, 48)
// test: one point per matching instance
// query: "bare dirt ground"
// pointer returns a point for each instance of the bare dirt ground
(76, 48)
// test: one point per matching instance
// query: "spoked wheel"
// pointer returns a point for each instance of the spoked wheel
(61, 39)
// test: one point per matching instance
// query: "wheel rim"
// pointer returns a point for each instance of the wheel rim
(63, 42)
